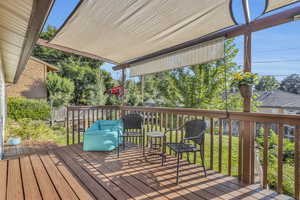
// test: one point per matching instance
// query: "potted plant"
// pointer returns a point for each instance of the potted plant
(244, 81)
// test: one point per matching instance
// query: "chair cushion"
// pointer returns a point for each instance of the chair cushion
(100, 140)
(110, 124)
(93, 127)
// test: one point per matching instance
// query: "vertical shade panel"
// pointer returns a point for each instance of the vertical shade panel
(198, 54)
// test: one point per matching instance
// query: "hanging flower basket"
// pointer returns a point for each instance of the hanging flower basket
(246, 91)
(244, 81)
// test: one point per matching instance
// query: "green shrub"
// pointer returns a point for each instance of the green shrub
(20, 108)
(35, 130)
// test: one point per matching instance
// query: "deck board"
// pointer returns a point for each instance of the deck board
(81, 192)
(14, 181)
(69, 173)
(45, 184)
(61, 185)
(31, 191)
(3, 179)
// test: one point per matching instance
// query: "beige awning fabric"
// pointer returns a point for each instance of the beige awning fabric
(275, 4)
(124, 30)
(199, 54)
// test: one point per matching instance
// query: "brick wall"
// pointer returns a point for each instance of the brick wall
(31, 83)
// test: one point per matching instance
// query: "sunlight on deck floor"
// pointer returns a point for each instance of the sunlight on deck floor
(69, 173)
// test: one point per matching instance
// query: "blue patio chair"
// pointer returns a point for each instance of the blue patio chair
(103, 135)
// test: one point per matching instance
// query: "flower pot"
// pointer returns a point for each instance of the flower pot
(14, 141)
(246, 91)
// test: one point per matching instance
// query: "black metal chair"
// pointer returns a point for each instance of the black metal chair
(133, 128)
(194, 131)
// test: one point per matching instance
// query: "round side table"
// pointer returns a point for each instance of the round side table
(156, 144)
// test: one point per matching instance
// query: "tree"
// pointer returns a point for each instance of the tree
(60, 90)
(267, 83)
(199, 86)
(97, 91)
(291, 84)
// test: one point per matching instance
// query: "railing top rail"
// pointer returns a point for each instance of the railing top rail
(259, 117)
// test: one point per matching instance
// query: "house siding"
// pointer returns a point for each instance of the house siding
(31, 83)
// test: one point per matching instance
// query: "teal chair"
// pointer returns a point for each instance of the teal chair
(103, 135)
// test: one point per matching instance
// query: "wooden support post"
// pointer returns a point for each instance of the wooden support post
(124, 92)
(247, 156)
(142, 88)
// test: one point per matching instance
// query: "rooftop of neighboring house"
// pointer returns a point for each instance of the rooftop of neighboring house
(279, 99)
(50, 67)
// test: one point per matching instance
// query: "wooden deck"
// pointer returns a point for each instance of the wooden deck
(70, 173)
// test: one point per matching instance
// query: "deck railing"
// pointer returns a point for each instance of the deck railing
(226, 148)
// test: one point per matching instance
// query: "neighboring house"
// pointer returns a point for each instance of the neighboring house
(32, 81)
(279, 102)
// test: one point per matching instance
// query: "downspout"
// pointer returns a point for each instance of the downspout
(2, 110)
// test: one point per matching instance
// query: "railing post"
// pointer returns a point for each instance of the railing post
(247, 159)
(124, 93)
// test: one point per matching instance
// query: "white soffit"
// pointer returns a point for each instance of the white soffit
(198, 54)
(14, 20)
(275, 4)
(124, 30)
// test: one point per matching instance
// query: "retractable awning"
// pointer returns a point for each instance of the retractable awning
(120, 31)
(275, 4)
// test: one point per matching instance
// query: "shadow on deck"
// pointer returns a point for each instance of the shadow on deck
(69, 173)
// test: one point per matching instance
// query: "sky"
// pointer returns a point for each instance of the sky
(275, 51)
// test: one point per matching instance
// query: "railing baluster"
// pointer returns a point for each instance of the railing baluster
(73, 126)
(68, 129)
(171, 127)
(280, 158)
(88, 117)
(93, 111)
(182, 130)
(252, 137)
(212, 143)
(176, 126)
(240, 128)
(266, 155)
(156, 121)
(152, 121)
(84, 121)
(229, 146)
(78, 126)
(297, 162)
(160, 121)
(148, 121)
(220, 144)
(97, 113)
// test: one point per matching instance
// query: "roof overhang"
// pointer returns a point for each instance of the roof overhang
(20, 25)
(49, 66)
